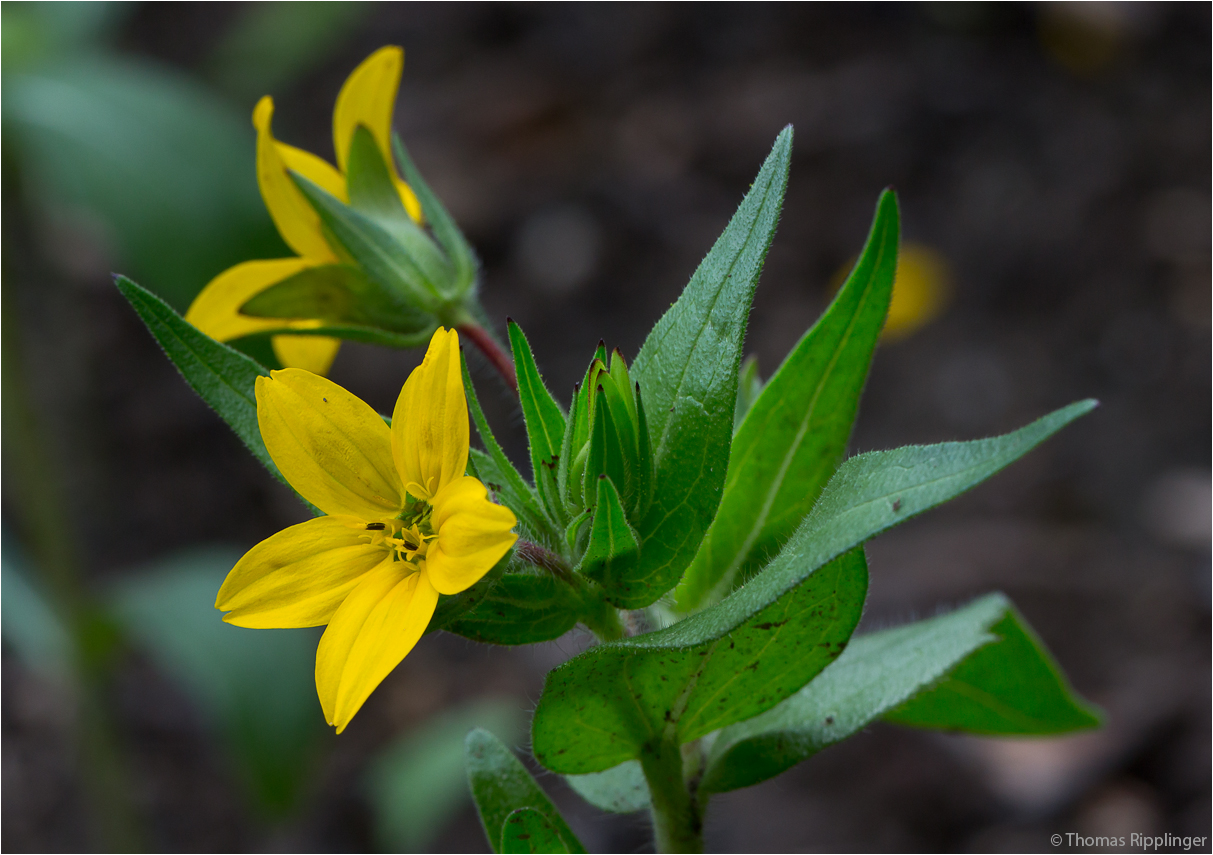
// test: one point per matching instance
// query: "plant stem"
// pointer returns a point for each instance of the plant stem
(677, 820)
(497, 357)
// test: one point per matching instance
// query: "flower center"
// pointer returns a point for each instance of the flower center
(407, 536)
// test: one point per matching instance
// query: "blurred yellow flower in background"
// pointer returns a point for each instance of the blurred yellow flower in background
(367, 98)
(403, 522)
(921, 290)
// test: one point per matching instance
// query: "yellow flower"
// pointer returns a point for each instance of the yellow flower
(367, 99)
(404, 523)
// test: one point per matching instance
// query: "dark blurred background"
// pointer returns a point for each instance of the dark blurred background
(1053, 162)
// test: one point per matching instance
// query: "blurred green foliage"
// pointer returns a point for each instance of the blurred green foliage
(161, 163)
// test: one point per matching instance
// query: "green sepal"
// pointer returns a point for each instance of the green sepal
(606, 454)
(500, 785)
(527, 830)
(794, 436)
(572, 532)
(564, 464)
(687, 370)
(342, 295)
(510, 485)
(447, 233)
(619, 373)
(451, 607)
(749, 387)
(223, 377)
(373, 191)
(372, 247)
(368, 180)
(524, 605)
(613, 550)
(349, 332)
(908, 672)
(545, 424)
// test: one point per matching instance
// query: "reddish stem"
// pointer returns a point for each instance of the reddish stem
(495, 355)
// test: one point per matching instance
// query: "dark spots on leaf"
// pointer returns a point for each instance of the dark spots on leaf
(375, 526)
(524, 837)
(561, 751)
(829, 719)
(896, 505)
(771, 624)
(753, 666)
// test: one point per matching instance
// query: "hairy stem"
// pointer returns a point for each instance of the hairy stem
(492, 351)
(677, 820)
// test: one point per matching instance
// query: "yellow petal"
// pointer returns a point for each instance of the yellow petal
(315, 169)
(216, 309)
(473, 535)
(368, 98)
(313, 353)
(376, 627)
(297, 222)
(430, 421)
(333, 448)
(299, 576)
(408, 198)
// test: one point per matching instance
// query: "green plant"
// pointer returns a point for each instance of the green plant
(708, 529)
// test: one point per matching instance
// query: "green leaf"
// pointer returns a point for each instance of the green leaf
(501, 785)
(879, 672)
(527, 830)
(1010, 687)
(687, 370)
(376, 250)
(545, 424)
(449, 237)
(749, 387)
(502, 477)
(417, 785)
(341, 295)
(794, 436)
(256, 686)
(617, 701)
(620, 789)
(223, 377)
(610, 557)
(589, 718)
(524, 606)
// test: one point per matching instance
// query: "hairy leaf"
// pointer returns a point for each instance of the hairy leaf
(621, 789)
(687, 370)
(528, 830)
(602, 707)
(905, 672)
(501, 785)
(544, 424)
(793, 437)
